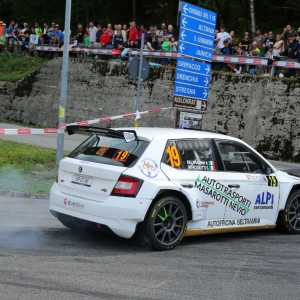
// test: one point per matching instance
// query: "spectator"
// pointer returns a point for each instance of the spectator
(58, 36)
(170, 30)
(119, 28)
(216, 33)
(135, 44)
(92, 33)
(237, 68)
(37, 29)
(133, 33)
(110, 33)
(222, 36)
(142, 31)
(216, 66)
(98, 35)
(79, 35)
(12, 28)
(118, 41)
(291, 53)
(2, 27)
(253, 51)
(152, 45)
(148, 36)
(287, 32)
(160, 33)
(260, 40)
(25, 35)
(126, 30)
(105, 38)
(232, 41)
(278, 47)
(245, 43)
(226, 49)
(165, 46)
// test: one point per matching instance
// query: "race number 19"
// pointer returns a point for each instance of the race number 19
(174, 156)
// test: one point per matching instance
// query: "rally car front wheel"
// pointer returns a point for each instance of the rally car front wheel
(289, 218)
(166, 223)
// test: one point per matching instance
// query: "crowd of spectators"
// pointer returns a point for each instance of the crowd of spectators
(119, 37)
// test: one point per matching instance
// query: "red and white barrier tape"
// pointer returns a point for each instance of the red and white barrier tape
(49, 131)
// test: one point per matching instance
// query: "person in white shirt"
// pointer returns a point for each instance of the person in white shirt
(93, 31)
(221, 37)
(119, 27)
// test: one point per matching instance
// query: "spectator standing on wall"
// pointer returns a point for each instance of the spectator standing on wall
(237, 68)
(92, 32)
(222, 36)
(291, 53)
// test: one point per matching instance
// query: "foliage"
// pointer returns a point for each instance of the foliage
(15, 66)
(26, 168)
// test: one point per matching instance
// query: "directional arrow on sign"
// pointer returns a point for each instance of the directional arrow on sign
(185, 8)
(206, 81)
(183, 35)
(184, 21)
(203, 105)
(181, 47)
(207, 69)
(205, 93)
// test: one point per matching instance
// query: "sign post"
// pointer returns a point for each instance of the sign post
(196, 41)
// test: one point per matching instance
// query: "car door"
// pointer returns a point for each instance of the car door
(253, 195)
(191, 164)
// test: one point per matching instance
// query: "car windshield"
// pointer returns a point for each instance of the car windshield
(109, 150)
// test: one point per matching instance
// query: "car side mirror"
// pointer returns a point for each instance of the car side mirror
(268, 170)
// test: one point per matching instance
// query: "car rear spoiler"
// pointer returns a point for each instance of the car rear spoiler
(128, 135)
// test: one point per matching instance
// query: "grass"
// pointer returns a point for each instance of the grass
(25, 168)
(15, 66)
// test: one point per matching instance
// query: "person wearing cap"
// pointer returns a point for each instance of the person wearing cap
(222, 36)
(245, 43)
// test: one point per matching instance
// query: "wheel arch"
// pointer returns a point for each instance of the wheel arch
(180, 196)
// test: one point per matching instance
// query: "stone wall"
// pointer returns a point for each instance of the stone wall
(263, 112)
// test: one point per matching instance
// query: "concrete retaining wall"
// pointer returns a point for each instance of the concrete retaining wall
(263, 112)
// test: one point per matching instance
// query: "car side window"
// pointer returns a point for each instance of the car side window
(190, 154)
(238, 158)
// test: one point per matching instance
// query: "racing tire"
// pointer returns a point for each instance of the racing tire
(289, 218)
(166, 223)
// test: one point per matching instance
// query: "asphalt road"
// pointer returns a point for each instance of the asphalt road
(41, 259)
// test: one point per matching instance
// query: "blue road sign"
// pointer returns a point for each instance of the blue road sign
(192, 78)
(197, 26)
(193, 66)
(199, 13)
(195, 51)
(190, 91)
(196, 39)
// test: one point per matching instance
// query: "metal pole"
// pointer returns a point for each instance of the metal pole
(64, 84)
(138, 91)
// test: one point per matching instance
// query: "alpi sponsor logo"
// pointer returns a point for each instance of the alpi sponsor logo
(265, 200)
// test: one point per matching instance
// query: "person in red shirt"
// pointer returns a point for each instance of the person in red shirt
(105, 39)
(133, 32)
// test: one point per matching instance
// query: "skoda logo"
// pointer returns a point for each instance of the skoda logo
(80, 169)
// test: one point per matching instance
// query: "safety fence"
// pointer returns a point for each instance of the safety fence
(49, 131)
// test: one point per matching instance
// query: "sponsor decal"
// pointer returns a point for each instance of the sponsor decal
(233, 222)
(242, 60)
(223, 194)
(257, 180)
(265, 200)
(149, 168)
(272, 181)
(204, 204)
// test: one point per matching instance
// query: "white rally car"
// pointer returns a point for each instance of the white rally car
(171, 183)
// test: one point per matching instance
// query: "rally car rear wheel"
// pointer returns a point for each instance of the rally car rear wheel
(166, 223)
(289, 218)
